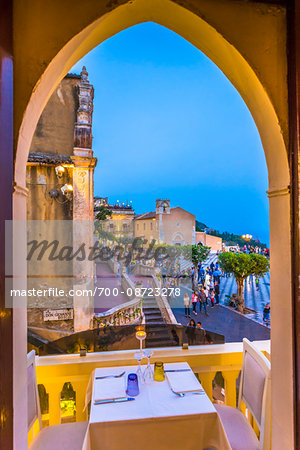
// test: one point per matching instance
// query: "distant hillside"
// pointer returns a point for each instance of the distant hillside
(200, 226)
(229, 238)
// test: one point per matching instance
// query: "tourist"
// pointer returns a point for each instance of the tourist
(187, 305)
(217, 292)
(207, 280)
(194, 302)
(266, 314)
(212, 298)
(203, 301)
(192, 323)
(175, 338)
(199, 326)
(190, 332)
(257, 283)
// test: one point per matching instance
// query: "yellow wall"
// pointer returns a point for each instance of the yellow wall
(142, 228)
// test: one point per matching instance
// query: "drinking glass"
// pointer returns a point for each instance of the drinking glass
(132, 385)
(139, 356)
(159, 373)
(148, 373)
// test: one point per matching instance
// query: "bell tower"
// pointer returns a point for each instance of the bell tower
(162, 208)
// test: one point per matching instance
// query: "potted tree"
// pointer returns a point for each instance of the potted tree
(196, 254)
(242, 265)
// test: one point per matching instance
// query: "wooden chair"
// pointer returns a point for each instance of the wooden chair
(254, 391)
(69, 436)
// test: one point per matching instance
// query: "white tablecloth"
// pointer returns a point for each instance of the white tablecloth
(156, 420)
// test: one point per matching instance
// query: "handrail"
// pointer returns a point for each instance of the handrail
(126, 313)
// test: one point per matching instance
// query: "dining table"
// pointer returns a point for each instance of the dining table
(157, 418)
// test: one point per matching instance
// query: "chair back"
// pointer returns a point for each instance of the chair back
(254, 390)
(33, 402)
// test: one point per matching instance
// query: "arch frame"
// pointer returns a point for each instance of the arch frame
(243, 76)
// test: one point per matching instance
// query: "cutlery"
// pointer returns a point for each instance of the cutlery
(114, 400)
(111, 376)
(183, 394)
(178, 370)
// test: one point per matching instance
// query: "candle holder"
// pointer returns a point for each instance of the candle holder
(141, 336)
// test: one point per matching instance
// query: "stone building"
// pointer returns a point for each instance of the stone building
(214, 242)
(173, 226)
(121, 222)
(60, 171)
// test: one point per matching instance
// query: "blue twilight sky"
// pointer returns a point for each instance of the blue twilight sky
(168, 124)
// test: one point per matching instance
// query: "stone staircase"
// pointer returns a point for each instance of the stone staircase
(158, 333)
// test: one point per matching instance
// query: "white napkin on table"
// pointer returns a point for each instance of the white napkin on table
(109, 388)
(183, 381)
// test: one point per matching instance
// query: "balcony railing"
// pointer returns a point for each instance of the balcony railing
(206, 361)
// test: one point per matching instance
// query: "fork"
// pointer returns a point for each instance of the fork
(110, 376)
(183, 394)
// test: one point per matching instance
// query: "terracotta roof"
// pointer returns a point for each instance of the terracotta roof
(49, 158)
(149, 215)
(178, 207)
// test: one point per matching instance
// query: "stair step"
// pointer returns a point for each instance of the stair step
(157, 334)
(152, 310)
(155, 314)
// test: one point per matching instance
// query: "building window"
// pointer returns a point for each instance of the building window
(151, 226)
(137, 226)
(144, 226)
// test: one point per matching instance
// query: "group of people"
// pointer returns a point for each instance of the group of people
(203, 297)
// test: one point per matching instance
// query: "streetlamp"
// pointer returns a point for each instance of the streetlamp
(247, 237)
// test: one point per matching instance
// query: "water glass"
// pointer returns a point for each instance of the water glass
(132, 385)
(159, 373)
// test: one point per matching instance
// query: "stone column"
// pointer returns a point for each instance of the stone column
(83, 227)
(83, 197)
(281, 316)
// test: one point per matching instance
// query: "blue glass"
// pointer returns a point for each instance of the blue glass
(132, 385)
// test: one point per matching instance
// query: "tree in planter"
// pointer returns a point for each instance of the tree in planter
(103, 213)
(242, 265)
(101, 216)
(196, 254)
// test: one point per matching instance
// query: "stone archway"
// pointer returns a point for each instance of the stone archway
(269, 114)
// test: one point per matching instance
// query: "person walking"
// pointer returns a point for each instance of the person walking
(266, 314)
(203, 301)
(217, 293)
(257, 283)
(212, 298)
(187, 305)
(207, 280)
(194, 302)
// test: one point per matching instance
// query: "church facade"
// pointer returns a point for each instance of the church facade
(173, 226)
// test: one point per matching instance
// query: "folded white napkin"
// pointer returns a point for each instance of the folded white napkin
(109, 388)
(183, 381)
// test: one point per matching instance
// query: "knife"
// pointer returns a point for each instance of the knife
(178, 370)
(114, 400)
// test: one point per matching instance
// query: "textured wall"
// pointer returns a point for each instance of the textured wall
(55, 129)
